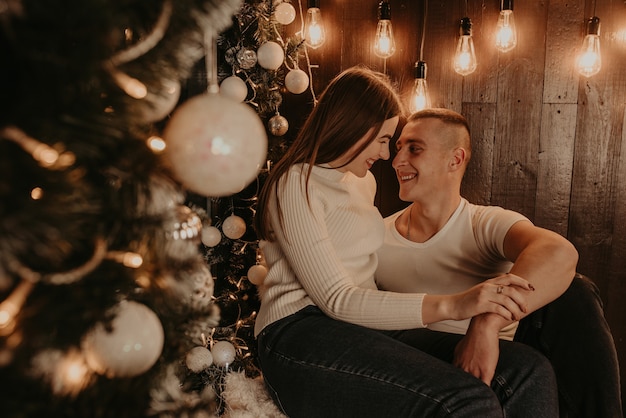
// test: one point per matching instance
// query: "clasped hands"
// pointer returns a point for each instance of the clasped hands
(501, 295)
(477, 353)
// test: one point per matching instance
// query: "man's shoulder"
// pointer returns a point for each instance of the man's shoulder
(489, 211)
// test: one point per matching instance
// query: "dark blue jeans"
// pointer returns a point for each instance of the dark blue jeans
(315, 366)
(574, 335)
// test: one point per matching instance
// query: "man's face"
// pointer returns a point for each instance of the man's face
(421, 162)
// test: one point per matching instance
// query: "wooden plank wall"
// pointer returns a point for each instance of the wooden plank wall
(547, 142)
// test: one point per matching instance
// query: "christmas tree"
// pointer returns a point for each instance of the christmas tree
(124, 252)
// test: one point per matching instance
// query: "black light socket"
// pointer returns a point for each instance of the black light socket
(420, 69)
(384, 10)
(593, 26)
(466, 27)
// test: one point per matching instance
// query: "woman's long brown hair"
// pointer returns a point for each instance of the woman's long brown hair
(354, 102)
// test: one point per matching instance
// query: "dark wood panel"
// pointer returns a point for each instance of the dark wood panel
(439, 44)
(327, 58)
(406, 19)
(565, 19)
(591, 213)
(596, 159)
(482, 85)
(476, 186)
(359, 29)
(616, 288)
(387, 199)
(554, 176)
(520, 83)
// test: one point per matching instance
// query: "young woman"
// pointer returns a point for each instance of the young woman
(324, 331)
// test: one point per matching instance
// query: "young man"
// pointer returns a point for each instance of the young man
(443, 244)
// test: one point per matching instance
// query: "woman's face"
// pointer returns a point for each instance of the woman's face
(377, 149)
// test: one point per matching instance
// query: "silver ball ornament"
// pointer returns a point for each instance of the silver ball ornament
(278, 125)
(246, 58)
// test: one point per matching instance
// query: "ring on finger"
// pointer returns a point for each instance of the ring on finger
(500, 289)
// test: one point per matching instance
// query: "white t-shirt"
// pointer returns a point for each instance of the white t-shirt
(466, 251)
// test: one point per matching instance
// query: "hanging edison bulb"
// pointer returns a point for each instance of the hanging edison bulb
(384, 43)
(465, 57)
(589, 61)
(314, 35)
(506, 33)
(420, 99)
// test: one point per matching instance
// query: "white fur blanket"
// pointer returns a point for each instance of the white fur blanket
(248, 398)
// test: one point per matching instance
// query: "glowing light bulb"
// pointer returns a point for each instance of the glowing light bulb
(314, 35)
(465, 57)
(384, 43)
(71, 375)
(506, 33)
(420, 99)
(12, 305)
(589, 60)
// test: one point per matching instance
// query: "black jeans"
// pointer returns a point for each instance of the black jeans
(574, 335)
(315, 366)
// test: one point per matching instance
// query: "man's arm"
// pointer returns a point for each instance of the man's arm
(544, 258)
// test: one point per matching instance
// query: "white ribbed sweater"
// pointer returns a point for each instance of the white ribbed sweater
(325, 254)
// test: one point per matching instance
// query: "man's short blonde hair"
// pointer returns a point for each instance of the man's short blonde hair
(450, 119)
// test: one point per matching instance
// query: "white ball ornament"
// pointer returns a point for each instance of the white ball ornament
(296, 81)
(257, 274)
(198, 359)
(234, 88)
(211, 236)
(131, 347)
(223, 353)
(234, 227)
(270, 55)
(215, 146)
(284, 13)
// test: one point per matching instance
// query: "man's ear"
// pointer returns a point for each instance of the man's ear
(459, 156)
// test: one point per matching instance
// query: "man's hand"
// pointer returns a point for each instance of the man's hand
(477, 353)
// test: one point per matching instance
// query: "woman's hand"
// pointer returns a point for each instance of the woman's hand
(501, 295)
